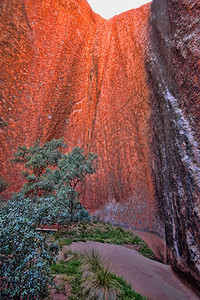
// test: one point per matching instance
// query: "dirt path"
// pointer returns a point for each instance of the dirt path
(147, 277)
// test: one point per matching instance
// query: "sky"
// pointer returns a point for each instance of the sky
(108, 8)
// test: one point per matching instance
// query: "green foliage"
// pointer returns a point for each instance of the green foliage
(97, 281)
(126, 290)
(43, 211)
(103, 233)
(46, 211)
(146, 251)
(36, 160)
(68, 268)
(52, 179)
(3, 184)
(73, 268)
(48, 197)
(25, 256)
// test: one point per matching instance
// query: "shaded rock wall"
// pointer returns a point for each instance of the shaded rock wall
(174, 77)
(127, 89)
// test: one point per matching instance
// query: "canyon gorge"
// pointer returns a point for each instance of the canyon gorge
(127, 89)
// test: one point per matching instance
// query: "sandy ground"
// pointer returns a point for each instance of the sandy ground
(147, 277)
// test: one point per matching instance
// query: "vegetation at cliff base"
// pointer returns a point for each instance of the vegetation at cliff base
(49, 196)
(97, 231)
(90, 278)
(52, 179)
(25, 256)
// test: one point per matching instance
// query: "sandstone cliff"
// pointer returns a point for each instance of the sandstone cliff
(128, 89)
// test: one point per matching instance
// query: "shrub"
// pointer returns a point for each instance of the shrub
(48, 196)
(52, 179)
(25, 256)
(97, 281)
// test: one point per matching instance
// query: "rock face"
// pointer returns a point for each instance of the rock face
(174, 80)
(128, 89)
(68, 72)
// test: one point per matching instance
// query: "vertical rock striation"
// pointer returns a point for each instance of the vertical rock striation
(174, 77)
(128, 89)
(84, 79)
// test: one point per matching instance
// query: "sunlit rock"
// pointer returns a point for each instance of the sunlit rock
(128, 89)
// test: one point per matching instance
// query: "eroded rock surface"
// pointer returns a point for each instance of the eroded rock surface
(174, 76)
(128, 89)
(76, 75)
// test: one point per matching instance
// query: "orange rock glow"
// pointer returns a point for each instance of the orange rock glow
(127, 89)
(70, 73)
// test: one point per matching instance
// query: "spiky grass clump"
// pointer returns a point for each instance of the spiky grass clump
(97, 281)
(70, 270)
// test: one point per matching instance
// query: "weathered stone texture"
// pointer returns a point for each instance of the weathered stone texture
(128, 89)
(174, 78)
(85, 80)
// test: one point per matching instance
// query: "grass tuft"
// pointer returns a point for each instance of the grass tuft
(85, 287)
(97, 281)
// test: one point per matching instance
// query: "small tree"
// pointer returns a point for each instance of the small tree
(25, 256)
(36, 160)
(53, 177)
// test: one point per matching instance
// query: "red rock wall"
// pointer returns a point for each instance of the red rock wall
(84, 79)
(127, 89)
(43, 68)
